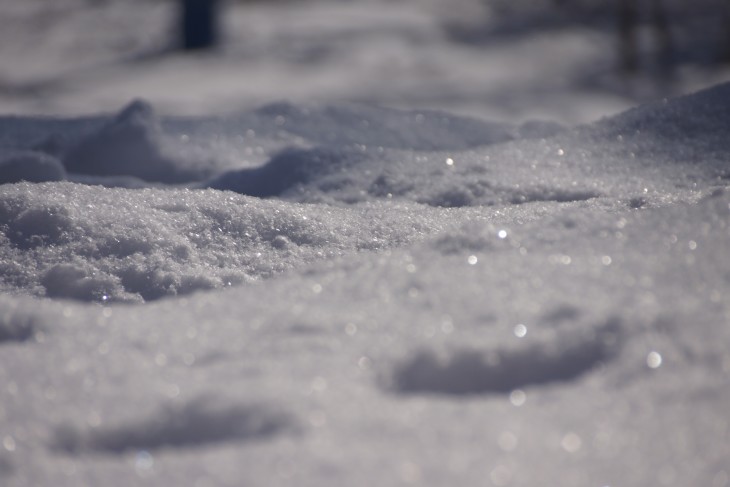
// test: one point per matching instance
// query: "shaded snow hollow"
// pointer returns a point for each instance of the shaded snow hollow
(414, 298)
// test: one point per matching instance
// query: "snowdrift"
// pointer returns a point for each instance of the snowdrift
(411, 298)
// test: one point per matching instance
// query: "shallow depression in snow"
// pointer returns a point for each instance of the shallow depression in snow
(565, 356)
(198, 422)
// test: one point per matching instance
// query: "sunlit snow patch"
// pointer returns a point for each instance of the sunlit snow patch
(109, 245)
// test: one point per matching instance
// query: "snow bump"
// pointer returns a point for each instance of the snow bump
(285, 170)
(74, 282)
(131, 144)
(31, 166)
(36, 226)
(90, 243)
(345, 125)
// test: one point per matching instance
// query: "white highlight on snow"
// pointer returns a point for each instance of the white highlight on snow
(507, 441)
(501, 475)
(9, 443)
(654, 360)
(517, 397)
(571, 442)
(520, 330)
(144, 462)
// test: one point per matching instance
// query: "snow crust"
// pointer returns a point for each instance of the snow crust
(413, 298)
(106, 245)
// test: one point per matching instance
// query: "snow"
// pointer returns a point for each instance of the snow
(564, 318)
(91, 243)
(80, 57)
(320, 292)
(17, 166)
(129, 145)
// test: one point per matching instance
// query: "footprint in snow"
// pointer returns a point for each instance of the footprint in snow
(468, 371)
(202, 421)
(17, 327)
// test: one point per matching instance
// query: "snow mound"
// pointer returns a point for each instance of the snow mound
(290, 169)
(351, 176)
(34, 227)
(351, 124)
(697, 122)
(353, 153)
(75, 282)
(614, 158)
(74, 241)
(30, 166)
(136, 147)
(132, 144)
(194, 423)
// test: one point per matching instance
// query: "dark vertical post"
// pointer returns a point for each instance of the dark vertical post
(627, 23)
(199, 22)
(726, 31)
(663, 35)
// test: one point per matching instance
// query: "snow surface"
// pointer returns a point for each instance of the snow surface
(413, 298)
(326, 293)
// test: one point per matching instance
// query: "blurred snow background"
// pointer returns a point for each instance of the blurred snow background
(506, 60)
